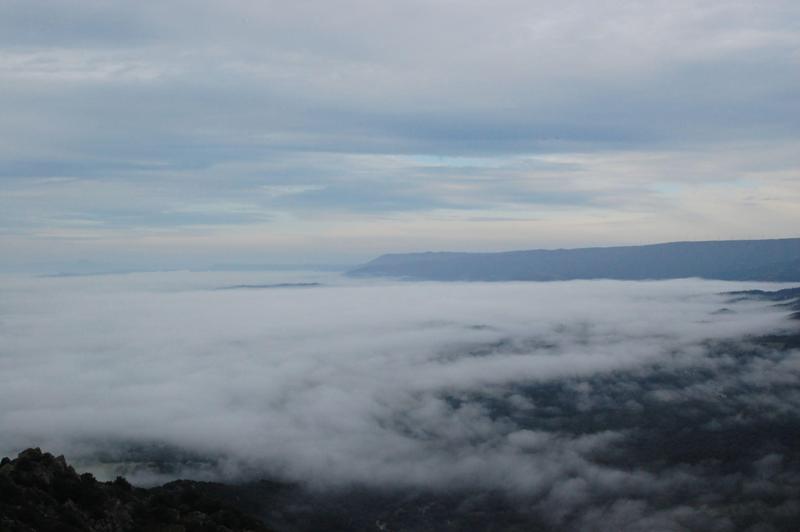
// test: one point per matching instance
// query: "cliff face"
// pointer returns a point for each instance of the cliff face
(41, 493)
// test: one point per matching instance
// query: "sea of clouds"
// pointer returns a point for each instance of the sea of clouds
(534, 388)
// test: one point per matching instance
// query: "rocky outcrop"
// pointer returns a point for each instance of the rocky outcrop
(40, 492)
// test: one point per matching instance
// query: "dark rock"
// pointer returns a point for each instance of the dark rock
(42, 493)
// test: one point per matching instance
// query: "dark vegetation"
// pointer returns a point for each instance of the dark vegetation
(788, 297)
(42, 493)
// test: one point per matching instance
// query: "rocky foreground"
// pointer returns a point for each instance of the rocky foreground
(40, 492)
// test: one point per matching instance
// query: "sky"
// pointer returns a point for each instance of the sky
(594, 401)
(191, 133)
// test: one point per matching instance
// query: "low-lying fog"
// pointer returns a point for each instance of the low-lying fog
(530, 387)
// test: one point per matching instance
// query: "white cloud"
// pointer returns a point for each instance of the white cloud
(337, 383)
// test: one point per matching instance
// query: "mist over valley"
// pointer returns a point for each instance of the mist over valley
(637, 405)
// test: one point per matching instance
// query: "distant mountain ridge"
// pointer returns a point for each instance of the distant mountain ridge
(776, 260)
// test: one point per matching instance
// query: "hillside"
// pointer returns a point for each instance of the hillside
(734, 260)
(42, 493)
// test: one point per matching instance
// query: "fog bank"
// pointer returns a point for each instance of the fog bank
(526, 387)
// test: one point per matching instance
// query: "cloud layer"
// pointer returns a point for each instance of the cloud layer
(590, 400)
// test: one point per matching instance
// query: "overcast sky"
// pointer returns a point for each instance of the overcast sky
(187, 133)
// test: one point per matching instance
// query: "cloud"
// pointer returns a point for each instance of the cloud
(181, 101)
(620, 401)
